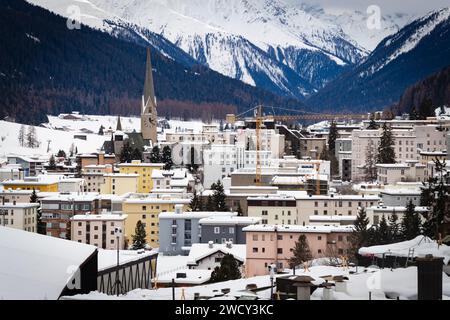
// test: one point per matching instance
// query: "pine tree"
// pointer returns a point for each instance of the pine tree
(383, 232)
(228, 270)
(386, 152)
(61, 154)
(436, 197)
(22, 135)
(210, 204)
(325, 154)
(394, 227)
(426, 109)
(371, 163)
(219, 198)
(126, 154)
(136, 154)
(239, 210)
(31, 138)
(413, 115)
(360, 235)
(373, 124)
(411, 223)
(301, 253)
(155, 155)
(101, 130)
(167, 158)
(41, 229)
(195, 202)
(332, 137)
(139, 237)
(52, 163)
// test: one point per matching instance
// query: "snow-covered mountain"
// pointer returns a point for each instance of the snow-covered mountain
(418, 50)
(287, 47)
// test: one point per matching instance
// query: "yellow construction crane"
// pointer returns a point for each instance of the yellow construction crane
(260, 118)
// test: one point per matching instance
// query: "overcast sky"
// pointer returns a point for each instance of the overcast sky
(387, 6)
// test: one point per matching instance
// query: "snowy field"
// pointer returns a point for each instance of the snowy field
(380, 283)
(59, 133)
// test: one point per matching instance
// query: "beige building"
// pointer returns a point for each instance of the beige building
(99, 230)
(119, 184)
(146, 208)
(283, 209)
(144, 170)
(312, 147)
(93, 176)
(10, 196)
(22, 216)
(411, 171)
(409, 142)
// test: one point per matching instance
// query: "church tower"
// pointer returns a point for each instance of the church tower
(149, 120)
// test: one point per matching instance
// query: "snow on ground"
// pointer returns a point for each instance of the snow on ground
(402, 282)
(168, 264)
(55, 139)
(420, 246)
(60, 132)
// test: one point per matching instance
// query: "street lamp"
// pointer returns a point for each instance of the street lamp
(118, 234)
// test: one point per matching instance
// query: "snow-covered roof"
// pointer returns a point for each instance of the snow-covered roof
(99, 217)
(108, 258)
(229, 220)
(297, 228)
(37, 267)
(21, 205)
(420, 245)
(193, 215)
(73, 196)
(332, 218)
(200, 251)
(193, 276)
(150, 200)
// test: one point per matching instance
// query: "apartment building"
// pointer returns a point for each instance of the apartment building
(57, 210)
(401, 172)
(17, 215)
(144, 170)
(409, 142)
(222, 229)
(42, 183)
(179, 179)
(180, 229)
(119, 183)
(296, 210)
(147, 209)
(30, 166)
(94, 176)
(271, 244)
(90, 159)
(312, 147)
(99, 230)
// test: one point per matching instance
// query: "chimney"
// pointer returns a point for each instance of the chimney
(429, 277)
(229, 244)
(210, 244)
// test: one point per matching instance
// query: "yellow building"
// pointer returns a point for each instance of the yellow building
(144, 170)
(119, 184)
(31, 183)
(147, 210)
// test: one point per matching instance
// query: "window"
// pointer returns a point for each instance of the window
(319, 238)
(279, 237)
(255, 250)
(216, 230)
(255, 237)
(319, 251)
(340, 238)
(231, 230)
(264, 213)
(280, 250)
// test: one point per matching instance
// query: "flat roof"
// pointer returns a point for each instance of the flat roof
(99, 217)
(297, 228)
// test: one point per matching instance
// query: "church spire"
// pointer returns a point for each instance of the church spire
(119, 124)
(149, 91)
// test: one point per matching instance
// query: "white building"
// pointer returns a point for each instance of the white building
(207, 256)
(99, 230)
(22, 216)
